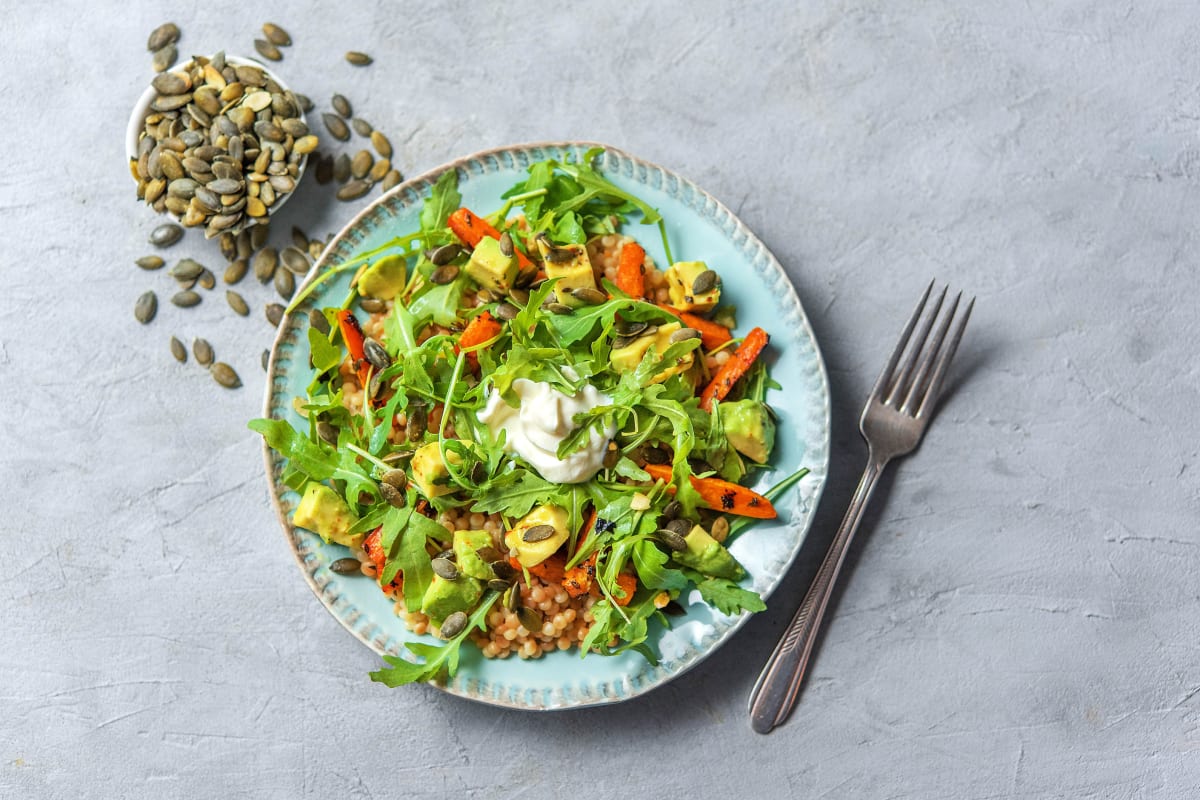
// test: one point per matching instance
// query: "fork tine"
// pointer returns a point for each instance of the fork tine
(943, 362)
(885, 377)
(918, 345)
(917, 390)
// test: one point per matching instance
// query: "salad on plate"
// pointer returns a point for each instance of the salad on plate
(526, 431)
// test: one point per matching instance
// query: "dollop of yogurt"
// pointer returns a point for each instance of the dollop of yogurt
(543, 418)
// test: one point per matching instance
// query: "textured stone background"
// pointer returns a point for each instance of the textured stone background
(1019, 617)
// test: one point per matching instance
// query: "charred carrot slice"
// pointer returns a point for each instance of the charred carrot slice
(721, 494)
(712, 334)
(734, 368)
(578, 579)
(481, 329)
(352, 335)
(631, 270)
(374, 549)
(470, 230)
(628, 584)
(550, 571)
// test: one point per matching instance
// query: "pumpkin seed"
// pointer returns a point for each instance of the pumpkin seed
(506, 245)
(379, 170)
(479, 472)
(360, 165)
(673, 609)
(445, 254)
(225, 375)
(299, 239)
(325, 170)
(166, 235)
(203, 352)
(559, 308)
(327, 432)
(393, 496)
(673, 509)
(276, 35)
(341, 168)
(361, 126)
(265, 262)
(611, 457)
(453, 625)
(381, 143)
(341, 105)
(267, 50)
(207, 280)
(705, 282)
(671, 539)
(396, 478)
(358, 59)
(353, 190)
(150, 262)
(444, 275)
(511, 598)
(679, 525)
(266, 359)
(178, 350)
(590, 296)
(720, 529)
(444, 568)
(372, 305)
(391, 180)
(317, 320)
(274, 312)
(530, 619)
(164, 57)
(418, 422)
(537, 533)
(497, 585)
(295, 260)
(519, 295)
(655, 455)
(228, 245)
(630, 327)
(375, 354)
(507, 311)
(306, 144)
(171, 83)
(346, 566)
(285, 283)
(186, 299)
(146, 307)
(237, 303)
(336, 127)
(502, 569)
(162, 36)
(245, 244)
(235, 271)
(683, 335)
(449, 555)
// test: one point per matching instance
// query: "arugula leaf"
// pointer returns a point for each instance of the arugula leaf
(305, 455)
(443, 199)
(325, 355)
(436, 657)
(539, 178)
(413, 559)
(516, 493)
(568, 229)
(727, 597)
(439, 303)
(652, 569)
(626, 468)
(601, 630)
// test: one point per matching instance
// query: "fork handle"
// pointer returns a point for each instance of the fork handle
(775, 692)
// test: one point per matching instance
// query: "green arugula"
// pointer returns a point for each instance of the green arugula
(443, 199)
(725, 595)
(437, 658)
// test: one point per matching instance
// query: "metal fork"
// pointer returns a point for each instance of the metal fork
(893, 422)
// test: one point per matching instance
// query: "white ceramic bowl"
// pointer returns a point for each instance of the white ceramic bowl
(141, 110)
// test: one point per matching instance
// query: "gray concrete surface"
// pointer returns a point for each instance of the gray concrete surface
(1020, 617)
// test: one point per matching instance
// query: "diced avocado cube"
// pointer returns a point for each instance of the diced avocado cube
(680, 278)
(490, 268)
(709, 556)
(749, 428)
(429, 472)
(466, 545)
(626, 359)
(322, 511)
(573, 273)
(385, 278)
(444, 597)
(530, 554)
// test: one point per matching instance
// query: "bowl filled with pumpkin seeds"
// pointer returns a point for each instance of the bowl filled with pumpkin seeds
(220, 143)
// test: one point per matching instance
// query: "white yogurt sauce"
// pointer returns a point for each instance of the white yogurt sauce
(540, 423)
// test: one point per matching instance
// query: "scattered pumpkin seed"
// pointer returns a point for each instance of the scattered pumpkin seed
(267, 50)
(324, 169)
(673, 509)
(146, 307)
(341, 168)
(671, 539)
(590, 296)
(391, 180)
(266, 359)
(185, 299)
(520, 296)
(453, 625)
(559, 308)
(705, 282)
(274, 312)
(164, 57)
(317, 320)
(178, 350)
(353, 190)
(225, 375)
(150, 262)
(171, 83)
(684, 334)
(166, 235)
(720, 529)
(327, 432)
(361, 164)
(530, 619)
(361, 126)
(673, 609)
(379, 170)
(512, 598)
(375, 354)
(265, 262)
(207, 280)
(358, 59)
(294, 260)
(372, 305)
(285, 283)
(346, 566)
(228, 244)
(276, 35)
(507, 311)
(506, 244)
(381, 143)
(537, 533)
(235, 271)
(203, 352)
(186, 270)
(444, 568)
(396, 478)
(342, 106)
(655, 455)
(501, 568)
(299, 239)
(336, 127)
(237, 303)
(444, 275)
(679, 525)
(162, 36)
(259, 234)
(245, 244)
(393, 496)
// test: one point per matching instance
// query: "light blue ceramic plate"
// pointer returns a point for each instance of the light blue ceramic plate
(700, 228)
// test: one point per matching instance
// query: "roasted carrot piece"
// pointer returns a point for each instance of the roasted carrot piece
(352, 335)
(712, 334)
(471, 228)
(631, 270)
(628, 584)
(578, 579)
(479, 330)
(721, 494)
(734, 368)
(375, 552)
(550, 571)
